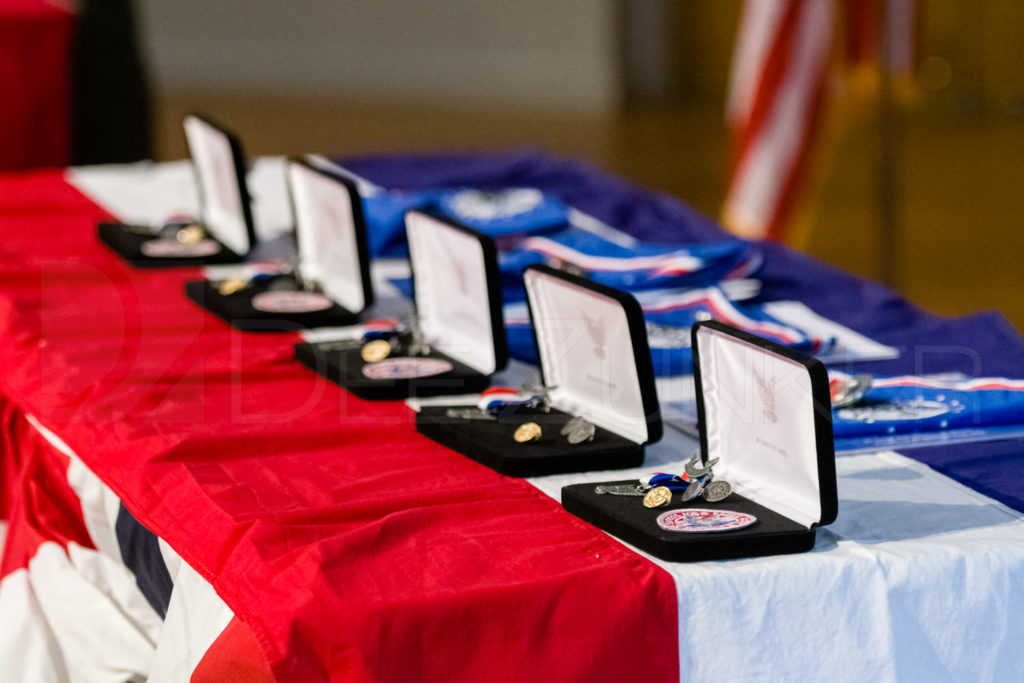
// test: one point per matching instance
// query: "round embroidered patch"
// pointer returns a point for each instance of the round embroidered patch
(175, 249)
(699, 520)
(290, 302)
(406, 368)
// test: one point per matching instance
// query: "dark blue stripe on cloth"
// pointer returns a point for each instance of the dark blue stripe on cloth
(140, 552)
(983, 344)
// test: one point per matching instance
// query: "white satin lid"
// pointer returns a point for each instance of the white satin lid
(452, 297)
(220, 195)
(326, 235)
(759, 421)
(586, 351)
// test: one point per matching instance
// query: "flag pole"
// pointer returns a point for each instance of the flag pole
(890, 139)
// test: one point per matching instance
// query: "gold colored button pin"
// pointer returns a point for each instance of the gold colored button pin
(377, 350)
(528, 431)
(657, 497)
(191, 234)
(231, 285)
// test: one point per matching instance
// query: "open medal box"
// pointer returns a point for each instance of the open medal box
(225, 233)
(461, 333)
(764, 413)
(595, 364)
(330, 284)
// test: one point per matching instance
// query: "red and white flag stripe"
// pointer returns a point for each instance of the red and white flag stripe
(779, 71)
(72, 611)
(778, 82)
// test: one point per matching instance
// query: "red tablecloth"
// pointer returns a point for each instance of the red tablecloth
(35, 43)
(354, 548)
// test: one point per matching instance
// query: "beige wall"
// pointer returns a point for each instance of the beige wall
(532, 53)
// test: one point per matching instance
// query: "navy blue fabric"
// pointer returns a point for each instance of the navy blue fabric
(978, 345)
(140, 552)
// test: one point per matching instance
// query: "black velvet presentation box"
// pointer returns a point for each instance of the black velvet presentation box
(237, 310)
(626, 517)
(457, 294)
(773, 533)
(317, 199)
(345, 367)
(491, 442)
(127, 240)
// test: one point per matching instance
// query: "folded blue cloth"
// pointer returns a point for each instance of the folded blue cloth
(511, 211)
(641, 266)
(904, 405)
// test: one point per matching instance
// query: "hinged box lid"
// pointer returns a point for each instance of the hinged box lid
(593, 353)
(331, 234)
(220, 170)
(457, 290)
(765, 412)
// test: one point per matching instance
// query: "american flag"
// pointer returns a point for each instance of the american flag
(777, 86)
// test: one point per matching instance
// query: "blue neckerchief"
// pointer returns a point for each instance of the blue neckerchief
(639, 267)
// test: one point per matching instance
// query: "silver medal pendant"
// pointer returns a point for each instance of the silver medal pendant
(583, 432)
(578, 430)
(695, 488)
(717, 491)
(418, 345)
(573, 423)
(696, 470)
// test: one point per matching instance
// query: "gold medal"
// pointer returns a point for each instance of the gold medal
(377, 350)
(191, 234)
(528, 431)
(231, 285)
(657, 497)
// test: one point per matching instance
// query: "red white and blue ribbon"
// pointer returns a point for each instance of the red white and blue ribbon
(494, 399)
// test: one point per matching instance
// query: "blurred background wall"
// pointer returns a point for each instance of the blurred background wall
(456, 51)
(635, 86)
